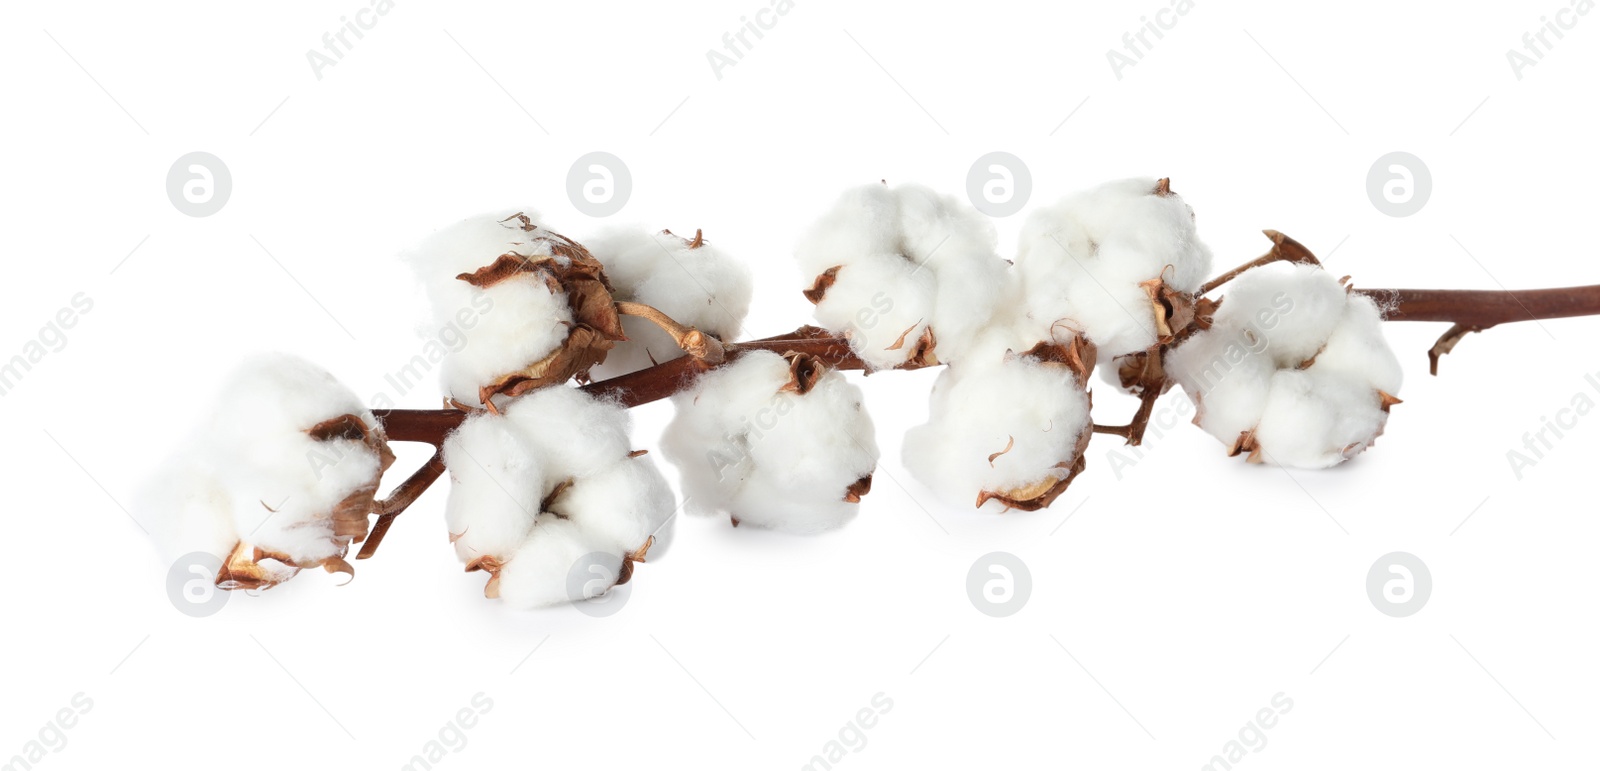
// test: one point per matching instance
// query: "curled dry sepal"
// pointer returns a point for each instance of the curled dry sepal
(548, 492)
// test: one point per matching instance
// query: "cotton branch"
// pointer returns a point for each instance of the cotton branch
(1484, 308)
(1142, 374)
(1471, 311)
(1467, 310)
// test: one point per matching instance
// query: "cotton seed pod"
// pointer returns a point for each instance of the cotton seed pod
(282, 477)
(776, 441)
(539, 304)
(1118, 264)
(1009, 431)
(1294, 371)
(910, 276)
(547, 483)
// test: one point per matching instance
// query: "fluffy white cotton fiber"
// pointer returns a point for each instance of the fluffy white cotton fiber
(1293, 309)
(551, 480)
(773, 442)
(496, 485)
(1315, 418)
(186, 509)
(1082, 261)
(560, 562)
(897, 269)
(1357, 347)
(1295, 369)
(999, 425)
(615, 494)
(1227, 375)
(690, 280)
(252, 473)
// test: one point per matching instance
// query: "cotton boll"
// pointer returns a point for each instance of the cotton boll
(1317, 419)
(1294, 369)
(496, 485)
(770, 457)
(1083, 262)
(540, 572)
(286, 464)
(1002, 427)
(285, 484)
(773, 441)
(552, 478)
(909, 275)
(691, 281)
(515, 322)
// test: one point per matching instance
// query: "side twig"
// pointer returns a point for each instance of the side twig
(698, 344)
(401, 499)
(1284, 249)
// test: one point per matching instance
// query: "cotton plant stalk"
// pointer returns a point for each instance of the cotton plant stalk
(1287, 364)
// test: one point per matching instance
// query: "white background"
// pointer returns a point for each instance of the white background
(1172, 599)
